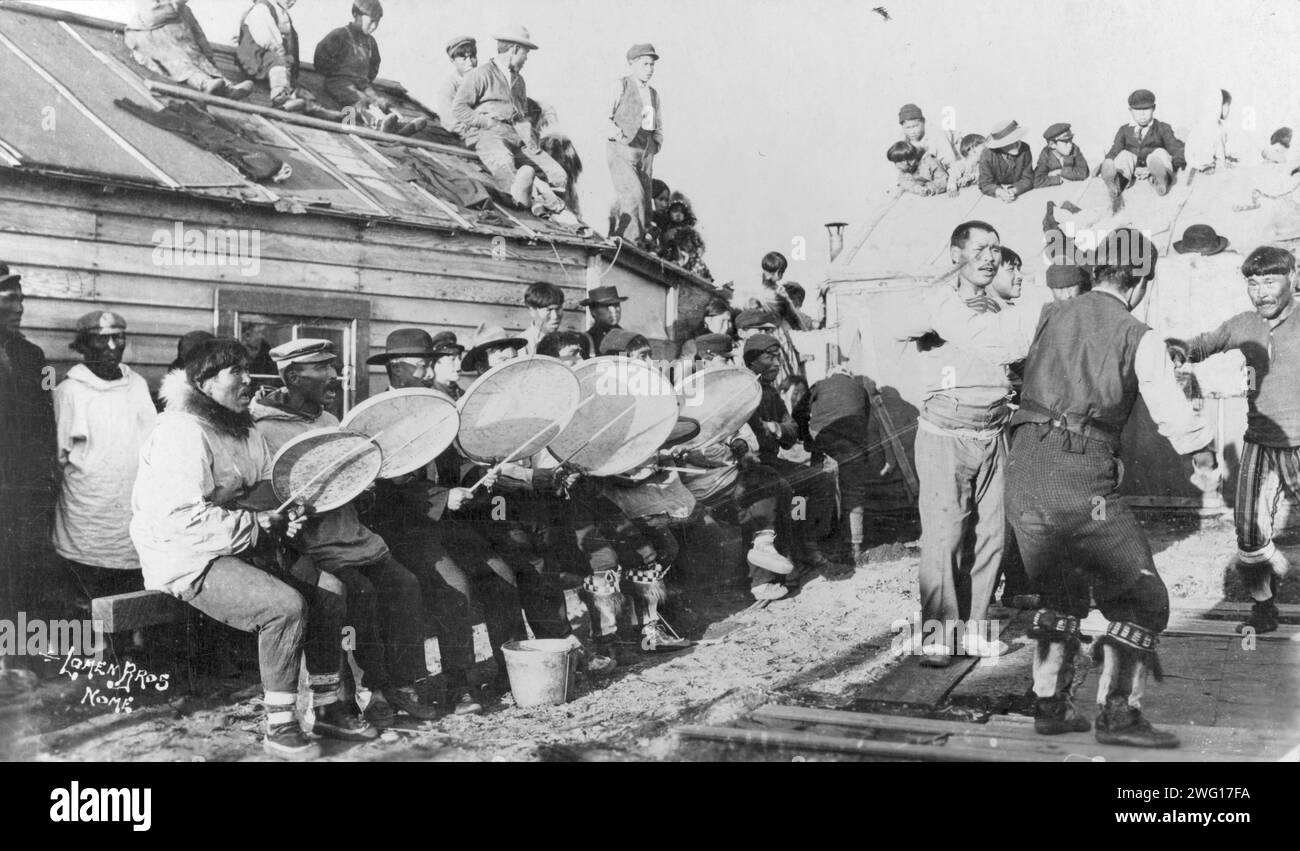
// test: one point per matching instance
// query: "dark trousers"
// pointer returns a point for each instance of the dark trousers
(455, 568)
(384, 607)
(530, 540)
(608, 538)
(1064, 504)
(292, 619)
(759, 501)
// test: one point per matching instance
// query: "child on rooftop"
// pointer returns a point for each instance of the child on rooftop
(919, 172)
(164, 37)
(966, 171)
(1145, 148)
(349, 59)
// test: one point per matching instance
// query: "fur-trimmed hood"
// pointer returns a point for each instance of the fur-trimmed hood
(179, 395)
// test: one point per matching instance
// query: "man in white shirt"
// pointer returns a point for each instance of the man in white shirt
(104, 413)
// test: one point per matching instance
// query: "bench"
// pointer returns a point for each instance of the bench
(139, 609)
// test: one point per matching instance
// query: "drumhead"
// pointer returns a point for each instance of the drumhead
(516, 408)
(720, 400)
(628, 411)
(411, 426)
(325, 469)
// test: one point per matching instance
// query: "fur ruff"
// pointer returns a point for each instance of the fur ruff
(179, 395)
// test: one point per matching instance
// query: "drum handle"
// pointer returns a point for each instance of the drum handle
(496, 468)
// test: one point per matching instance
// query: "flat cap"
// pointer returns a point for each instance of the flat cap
(305, 350)
(1060, 128)
(754, 318)
(101, 322)
(908, 112)
(459, 42)
(1061, 276)
(636, 51)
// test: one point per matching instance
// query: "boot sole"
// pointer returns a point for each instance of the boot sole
(1054, 729)
(343, 735)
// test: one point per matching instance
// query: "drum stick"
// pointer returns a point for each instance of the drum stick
(719, 410)
(496, 468)
(598, 433)
(329, 468)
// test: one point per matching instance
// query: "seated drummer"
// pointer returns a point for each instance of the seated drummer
(735, 486)
(383, 597)
(198, 545)
(417, 516)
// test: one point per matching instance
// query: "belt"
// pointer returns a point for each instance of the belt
(1078, 424)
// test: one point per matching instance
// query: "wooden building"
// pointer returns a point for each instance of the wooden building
(100, 208)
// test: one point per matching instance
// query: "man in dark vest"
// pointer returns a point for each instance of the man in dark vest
(636, 134)
(1087, 364)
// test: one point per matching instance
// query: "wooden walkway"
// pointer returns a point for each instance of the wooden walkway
(1229, 699)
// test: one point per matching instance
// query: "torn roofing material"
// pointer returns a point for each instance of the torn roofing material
(73, 103)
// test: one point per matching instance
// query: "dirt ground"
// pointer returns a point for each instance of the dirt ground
(821, 645)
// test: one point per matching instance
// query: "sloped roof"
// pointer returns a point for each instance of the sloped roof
(907, 238)
(63, 72)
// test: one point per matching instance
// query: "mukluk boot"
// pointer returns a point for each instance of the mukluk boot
(1054, 674)
(1127, 654)
(648, 593)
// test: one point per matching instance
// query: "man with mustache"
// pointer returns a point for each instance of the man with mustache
(1270, 341)
(960, 451)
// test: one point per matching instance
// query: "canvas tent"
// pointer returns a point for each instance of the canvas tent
(901, 247)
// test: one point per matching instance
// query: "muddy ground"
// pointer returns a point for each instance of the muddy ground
(819, 646)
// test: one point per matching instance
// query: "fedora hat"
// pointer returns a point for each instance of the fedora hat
(1200, 239)
(1005, 133)
(485, 337)
(405, 343)
(516, 34)
(600, 296)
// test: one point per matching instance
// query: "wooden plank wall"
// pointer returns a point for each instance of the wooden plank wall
(80, 248)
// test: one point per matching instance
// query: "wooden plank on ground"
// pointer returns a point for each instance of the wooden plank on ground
(1289, 613)
(1184, 624)
(1014, 733)
(137, 610)
(911, 682)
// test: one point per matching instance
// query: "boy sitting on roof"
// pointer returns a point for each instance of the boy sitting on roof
(463, 53)
(919, 171)
(966, 171)
(1006, 166)
(349, 59)
(1061, 160)
(1146, 148)
(165, 38)
(268, 52)
(939, 145)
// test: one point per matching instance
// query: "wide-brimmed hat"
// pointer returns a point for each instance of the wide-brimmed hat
(516, 34)
(603, 296)
(485, 337)
(1004, 133)
(1200, 239)
(405, 343)
(7, 276)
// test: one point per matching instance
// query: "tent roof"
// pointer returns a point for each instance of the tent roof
(63, 73)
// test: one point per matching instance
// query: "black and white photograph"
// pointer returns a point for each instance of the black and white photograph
(610, 381)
